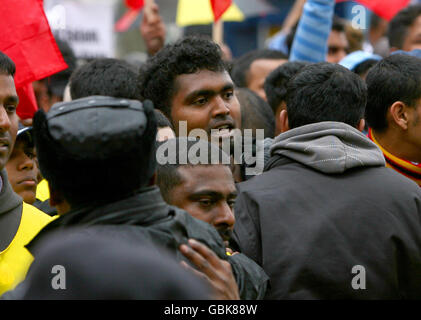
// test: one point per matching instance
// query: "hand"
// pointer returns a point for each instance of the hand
(216, 271)
(228, 250)
(152, 29)
(26, 122)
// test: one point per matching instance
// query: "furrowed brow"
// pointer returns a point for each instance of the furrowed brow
(207, 193)
(198, 93)
(228, 86)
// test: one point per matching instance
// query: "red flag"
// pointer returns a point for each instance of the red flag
(27, 39)
(134, 4)
(27, 101)
(386, 9)
(134, 7)
(219, 7)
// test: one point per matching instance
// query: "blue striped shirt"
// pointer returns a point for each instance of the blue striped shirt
(310, 41)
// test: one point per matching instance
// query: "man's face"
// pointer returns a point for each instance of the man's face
(413, 38)
(22, 171)
(208, 193)
(338, 46)
(8, 117)
(206, 101)
(414, 131)
(258, 72)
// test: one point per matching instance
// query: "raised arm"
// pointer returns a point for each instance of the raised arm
(310, 41)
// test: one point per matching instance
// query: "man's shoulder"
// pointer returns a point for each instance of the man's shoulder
(387, 179)
(266, 180)
(374, 182)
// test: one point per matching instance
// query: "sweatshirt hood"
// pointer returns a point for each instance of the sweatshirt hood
(328, 147)
(10, 212)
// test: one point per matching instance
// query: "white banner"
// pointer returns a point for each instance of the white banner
(87, 25)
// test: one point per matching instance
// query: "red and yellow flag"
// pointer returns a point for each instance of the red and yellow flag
(219, 7)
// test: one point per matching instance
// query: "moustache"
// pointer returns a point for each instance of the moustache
(225, 233)
(5, 139)
(222, 119)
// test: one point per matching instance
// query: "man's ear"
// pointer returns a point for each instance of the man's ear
(399, 114)
(283, 116)
(361, 125)
(282, 106)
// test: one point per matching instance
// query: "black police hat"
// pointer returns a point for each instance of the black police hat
(94, 141)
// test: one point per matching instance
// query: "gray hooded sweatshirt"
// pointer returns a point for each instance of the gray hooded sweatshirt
(328, 147)
(327, 220)
(10, 212)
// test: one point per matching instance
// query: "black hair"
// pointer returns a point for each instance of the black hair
(7, 66)
(255, 113)
(25, 142)
(27, 139)
(167, 175)
(104, 76)
(161, 120)
(325, 92)
(338, 24)
(241, 66)
(362, 68)
(276, 82)
(398, 27)
(57, 82)
(189, 55)
(395, 78)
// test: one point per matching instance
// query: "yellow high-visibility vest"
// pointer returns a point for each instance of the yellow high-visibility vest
(16, 259)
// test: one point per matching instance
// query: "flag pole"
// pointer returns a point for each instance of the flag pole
(218, 32)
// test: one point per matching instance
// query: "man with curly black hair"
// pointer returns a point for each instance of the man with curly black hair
(189, 81)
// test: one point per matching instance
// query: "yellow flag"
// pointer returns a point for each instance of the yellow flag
(191, 12)
(43, 192)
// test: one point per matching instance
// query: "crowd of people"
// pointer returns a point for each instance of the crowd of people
(275, 175)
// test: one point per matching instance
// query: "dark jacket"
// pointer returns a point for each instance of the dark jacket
(324, 205)
(96, 266)
(45, 207)
(146, 215)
